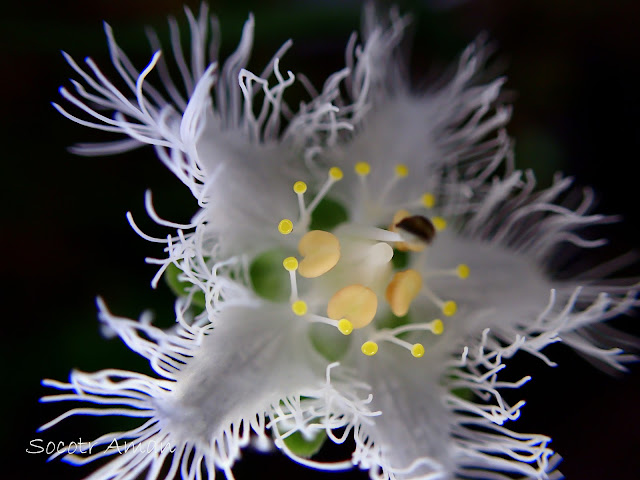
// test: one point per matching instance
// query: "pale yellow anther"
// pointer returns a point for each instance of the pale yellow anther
(417, 350)
(402, 170)
(369, 348)
(285, 226)
(449, 308)
(362, 169)
(320, 251)
(428, 200)
(401, 291)
(335, 173)
(437, 327)
(356, 303)
(299, 307)
(345, 326)
(404, 246)
(398, 217)
(300, 187)
(439, 222)
(290, 264)
(462, 270)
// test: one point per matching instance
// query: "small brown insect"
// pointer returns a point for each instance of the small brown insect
(418, 226)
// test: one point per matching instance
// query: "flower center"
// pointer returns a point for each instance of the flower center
(340, 276)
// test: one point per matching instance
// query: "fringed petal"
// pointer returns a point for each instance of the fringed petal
(220, 383)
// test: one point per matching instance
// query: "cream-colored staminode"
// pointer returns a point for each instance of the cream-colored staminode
(356, 303)
(401, 291)
(320, 251)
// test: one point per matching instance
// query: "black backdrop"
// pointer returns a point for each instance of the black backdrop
(573, 68)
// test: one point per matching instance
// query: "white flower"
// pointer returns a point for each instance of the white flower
(365, 266)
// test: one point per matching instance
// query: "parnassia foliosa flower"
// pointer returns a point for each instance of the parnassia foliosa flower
(363, 267)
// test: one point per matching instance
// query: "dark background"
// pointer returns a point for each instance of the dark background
(573, 68)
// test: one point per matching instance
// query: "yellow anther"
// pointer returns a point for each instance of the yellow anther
(299, 307)
(345, 326)
(439, 222)
(437, 327)
(321, 252)
(290, 264)
(300, 187)
(428, 200)
(404, 246)
(335, 173)
(401, 291)
(285, 226)
(356, 303)
(417, 350)
(462, 270)
(449, 308)
(402, 170)
(362, 169)
(369, 348)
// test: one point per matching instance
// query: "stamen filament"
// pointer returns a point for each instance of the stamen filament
(343, 325)
(294, 286)
(435, 326)
(461, 271)
(400, 171)
(363, 169)
(314, 318)
(399, 342)
(335, 174)
(448, 307)
(291, 265)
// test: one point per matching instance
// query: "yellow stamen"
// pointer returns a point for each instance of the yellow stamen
(439, 222)
(401, 170)
(449, 308)
(321, 252)
(285, 227)
(437, 327)
(403, 288)
(369, 348)
(462, 270)
(428, 200)
(345, 326)
(299, 307)
(417, 350)
(362, 169)
(404, 246)
(356, 303)
(335, 173)
(290, 264)
(300, 187)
